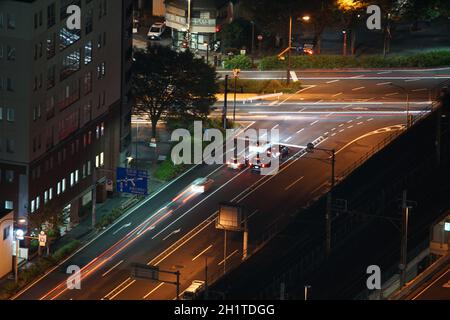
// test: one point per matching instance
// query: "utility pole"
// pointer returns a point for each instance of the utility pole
(328, 215)
(235, 75)
(288, 76)
(225, 252)
(206, 277)
(94, 197)
(404, 241)
(245, 241)
(344, 46)
(225, 104)
(253, 41)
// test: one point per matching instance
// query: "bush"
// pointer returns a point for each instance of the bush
(420, 60)
(167, 170)
(238, 62)
(261, 86)
(109, 218)
(65, 250)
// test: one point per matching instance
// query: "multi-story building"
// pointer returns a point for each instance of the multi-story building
(64, 103)
(203, 20)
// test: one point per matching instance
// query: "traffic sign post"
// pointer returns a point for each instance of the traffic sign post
(132, 181)
(141, 271)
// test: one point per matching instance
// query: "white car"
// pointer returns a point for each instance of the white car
(156, 30)
(201, 185)
(191, 292)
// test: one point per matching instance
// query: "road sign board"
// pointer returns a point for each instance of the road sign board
(144, 272)
(132, 181)
(230, 217)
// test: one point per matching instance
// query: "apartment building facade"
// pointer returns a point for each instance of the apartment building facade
(64, 104)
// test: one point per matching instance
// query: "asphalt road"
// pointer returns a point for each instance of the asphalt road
(436, 289)
(175, 229)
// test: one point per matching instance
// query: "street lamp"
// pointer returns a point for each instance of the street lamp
(344, 45)
(306, 291)
(305, 18)
(236, 76)
(310, 148)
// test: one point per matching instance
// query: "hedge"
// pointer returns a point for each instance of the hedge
(167, 170)
(261, 86)
(420, 60)
(238, 62)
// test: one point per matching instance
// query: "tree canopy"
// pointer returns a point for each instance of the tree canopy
(166, 83)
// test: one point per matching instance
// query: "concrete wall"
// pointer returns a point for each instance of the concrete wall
(6, 244)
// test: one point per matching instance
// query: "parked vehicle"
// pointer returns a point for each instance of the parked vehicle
(156, 30)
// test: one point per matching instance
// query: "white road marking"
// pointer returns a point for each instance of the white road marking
(337, 94)
(301, 130)
(383, 83)
(200, 254)
(332, 81)
(359, 88)
(229, 256)
(314, 122)
(293, 183)
(112, 268)
(288, 139)
(156, 288)
(417, 90)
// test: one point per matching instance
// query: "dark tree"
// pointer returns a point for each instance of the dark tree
(166, 83)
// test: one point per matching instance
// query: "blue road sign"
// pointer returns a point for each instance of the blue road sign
(132, 181)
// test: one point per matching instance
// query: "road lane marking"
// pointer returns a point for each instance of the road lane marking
(172, 233)
(391, 94)
(378, 131)
(411, 80)
(293, 183)
(115, 266)
(122, 227)
(359, 88)
(314, 122)
(119, 286)
(384, 72)
(153, 290)
(288, 139)
(383, 83)
(301, 130)
(201, 253)
(228, 257)
(417, 90)
(349, 127)
(371, 119)
(332, 81)
(431, 284)
(359, 123)
(337, 94)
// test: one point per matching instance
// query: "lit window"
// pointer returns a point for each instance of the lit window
(102, 159)
(63, 187)
(33, 206)
(9, 205)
